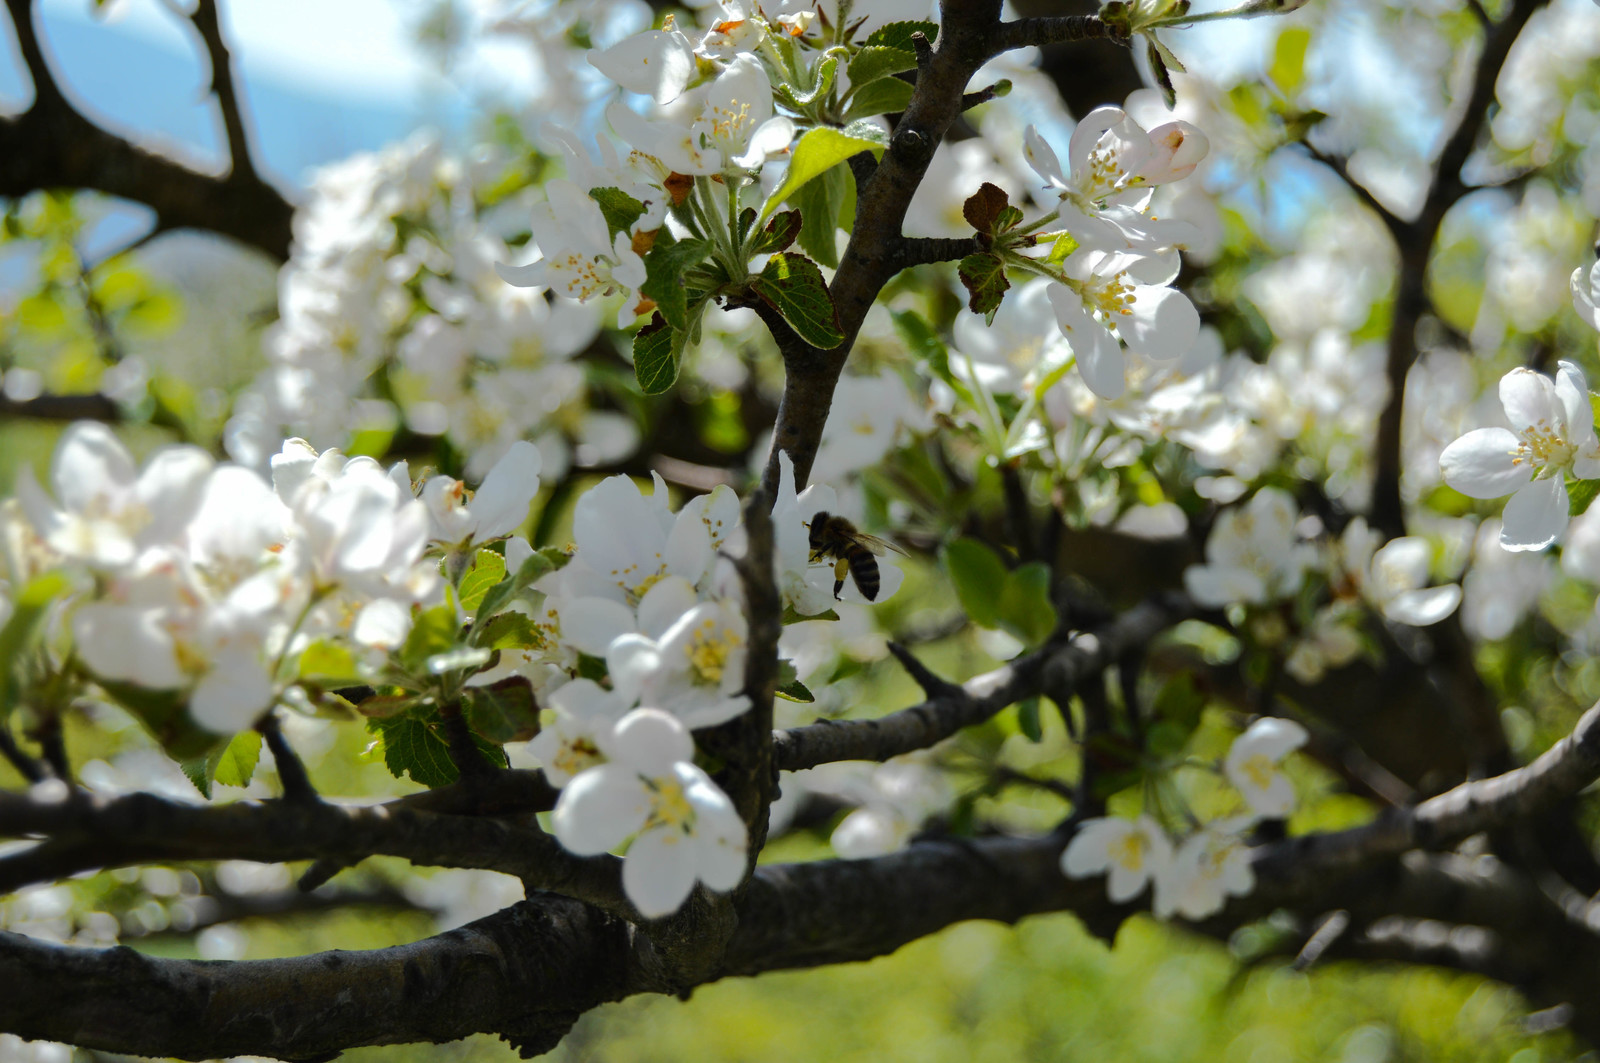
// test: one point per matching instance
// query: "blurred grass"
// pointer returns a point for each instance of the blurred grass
(1047, 991)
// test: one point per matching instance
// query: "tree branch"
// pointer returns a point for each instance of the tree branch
(1058, 29)
(1059, 666)
(208, 25)
(52, 145)
(1415, 241)
(95, 832)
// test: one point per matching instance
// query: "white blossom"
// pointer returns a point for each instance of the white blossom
(1130, 852)
(1252, 765)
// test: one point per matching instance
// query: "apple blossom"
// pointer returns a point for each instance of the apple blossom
(1552, 434)
(1130, 852)
(1252, 765)
(682, 827)
(1252, 555)
(1207, 868)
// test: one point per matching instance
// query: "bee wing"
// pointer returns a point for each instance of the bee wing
(877, 545)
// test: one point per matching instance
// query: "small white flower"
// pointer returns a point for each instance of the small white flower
(1252, 554)
(1121, 294)
(586, 715)
(1209, 866)
(1395, 577)
(657, 63)
(109, 510)
(1252, 765)
(695, 671)
(683, 828)
(1552, 433)
(1129, 852)
(498, 508)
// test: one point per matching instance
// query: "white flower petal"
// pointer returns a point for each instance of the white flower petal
(501, 504)
(1420, 608)
(658, 873)
(1484, 463)
(1536, 515)
(600, 808)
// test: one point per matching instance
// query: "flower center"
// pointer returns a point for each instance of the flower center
(1259, 770)
(1129, 851)
(708, 650)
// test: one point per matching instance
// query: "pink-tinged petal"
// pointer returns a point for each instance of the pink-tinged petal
(651, 741)
(1485, 463)
(658, 872)
(1530, 400)
(1420, 608)
(501, 504)
(1163, 324)
(600, 809)
(1536, 515)
(90, 462)
(1177, 148)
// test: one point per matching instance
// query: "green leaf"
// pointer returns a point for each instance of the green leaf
(1028, 721)
(236, 762)
(822, 204)
(1580, 493)
(433, 632)
(875, 61)
(978, 575)
(984, 277)
(884, 96)
(898, 35)
(164, 713)
(780, 232)
(545, 559)
(664, 267)
(503, 712)
(620, 209)
(412, 747)
(789, 686)
(826, 71)
(1025, 610)
(22, 630)
(1065, 244)
(512, 631)
(488, 569)
(199, 772)
(1288, 69)
(819, 151)
(656, 349)
(793, 285)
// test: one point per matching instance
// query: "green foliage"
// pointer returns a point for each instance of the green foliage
(1016, 601)
(620, 209)
(657, 348)
(1580, 493)
(826, 205)
(665, 268)
(984, 277)
(488, 570)
(414, 747)
(820, 150)
(503, 712)
(1288, 68)
(897, 35)
(789, 686)
(231, 765)
(793, 285)
(22, 630)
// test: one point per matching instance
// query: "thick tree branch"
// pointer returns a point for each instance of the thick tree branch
(52, 145)
(1059, 666)
(95, 832)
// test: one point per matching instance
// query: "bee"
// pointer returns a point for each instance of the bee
(851, 550)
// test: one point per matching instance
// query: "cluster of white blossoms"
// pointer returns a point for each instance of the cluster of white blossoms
(1257, 556)
(1195, 877)
(391, 315)
(1113, 288)
(206, 579)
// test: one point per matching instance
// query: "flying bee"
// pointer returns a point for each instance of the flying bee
(851, 550)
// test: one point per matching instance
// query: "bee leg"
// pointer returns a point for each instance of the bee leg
(840, 567)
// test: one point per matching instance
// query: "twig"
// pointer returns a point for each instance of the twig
(1058, 29)
(206, 23)
(297, 788)
(1056, 667)
(25, 765)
